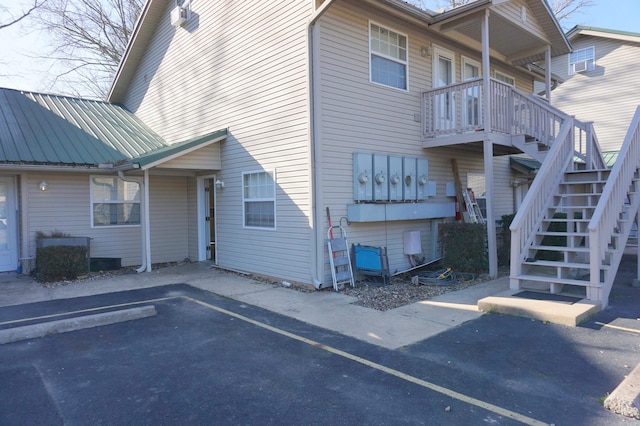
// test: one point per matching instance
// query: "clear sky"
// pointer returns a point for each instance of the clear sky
(21, 50)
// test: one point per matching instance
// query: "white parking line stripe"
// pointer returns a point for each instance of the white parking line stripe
(616, 327)
(448, 392)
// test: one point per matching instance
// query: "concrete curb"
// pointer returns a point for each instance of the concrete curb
(625, 399)
(34, 331)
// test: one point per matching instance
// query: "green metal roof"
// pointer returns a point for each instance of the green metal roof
(43, 129)
(524, 165)
(610, 158)
(579, 28)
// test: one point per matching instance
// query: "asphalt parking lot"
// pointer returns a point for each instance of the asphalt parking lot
(204, 359)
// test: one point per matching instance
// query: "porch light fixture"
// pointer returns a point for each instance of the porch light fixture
(219, 184)
(43, 186)
(425, 51)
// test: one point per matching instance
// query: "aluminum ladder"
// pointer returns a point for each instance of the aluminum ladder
(339, 257)
(475, 214)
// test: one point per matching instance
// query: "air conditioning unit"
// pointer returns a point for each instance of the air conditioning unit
(583, 66)
(179, 16)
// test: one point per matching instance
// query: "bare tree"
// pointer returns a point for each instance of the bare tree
(565, 9)
(12, 19)
(88, 39)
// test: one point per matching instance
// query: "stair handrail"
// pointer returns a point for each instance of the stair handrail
(540, 195)
(614, 193)
(541, 120)
(592, 154)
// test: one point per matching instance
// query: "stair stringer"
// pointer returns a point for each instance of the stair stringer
(532, 149)
(539, 200)
(615, 249)
(605, 219)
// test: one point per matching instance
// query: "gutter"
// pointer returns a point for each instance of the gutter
(317, 239)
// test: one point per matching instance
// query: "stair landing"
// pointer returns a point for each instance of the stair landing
(556, 312)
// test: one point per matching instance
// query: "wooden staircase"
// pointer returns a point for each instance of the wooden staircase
(574, 224)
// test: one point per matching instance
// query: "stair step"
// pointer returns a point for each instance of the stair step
(566, 281)
(561, 248)
(562, 220)
(574, 265)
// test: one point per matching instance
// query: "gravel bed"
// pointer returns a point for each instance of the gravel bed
(402, 292)
(369, 294)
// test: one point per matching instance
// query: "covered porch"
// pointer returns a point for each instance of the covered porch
(484, 114)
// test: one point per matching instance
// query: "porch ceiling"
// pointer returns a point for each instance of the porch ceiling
(509, 38)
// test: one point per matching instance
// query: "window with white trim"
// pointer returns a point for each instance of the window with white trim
(388, 57)
(259, 199)
(505, 78)
(114, 202)
(582, 60)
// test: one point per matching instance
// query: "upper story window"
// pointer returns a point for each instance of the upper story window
(259, 199)
(114, 202)
(582, 60)
(388, 56)
(505, 78)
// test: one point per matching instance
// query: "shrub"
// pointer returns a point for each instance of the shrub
(464, 246)
(55, 263)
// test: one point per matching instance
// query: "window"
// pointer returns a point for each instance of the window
(505, 78)
(114, 201)
(388, 57)
(582, 60)
(259, 199)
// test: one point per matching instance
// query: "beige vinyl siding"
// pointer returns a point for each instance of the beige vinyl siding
(192, 217)
(169, 218)
(242, 67)
(65, 207)
(207, 158)
(590, 95)
(512, 11)
(504, 192)
(359, 116)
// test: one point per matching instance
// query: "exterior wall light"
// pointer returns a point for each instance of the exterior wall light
(43, 186)
(219, 184)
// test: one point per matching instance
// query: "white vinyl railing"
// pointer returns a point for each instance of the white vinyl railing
(612, 201)
(458, 108)
(540, 195)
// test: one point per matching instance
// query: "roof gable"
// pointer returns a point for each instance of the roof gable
(580, 30)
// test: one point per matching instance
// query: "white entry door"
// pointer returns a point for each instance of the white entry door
(444, 75)
(472, 101)
(206, 218)
(8, 226)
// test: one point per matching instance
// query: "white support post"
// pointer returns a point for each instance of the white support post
(547, 73)
(488, 150)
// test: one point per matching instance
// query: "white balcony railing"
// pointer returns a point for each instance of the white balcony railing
(458, 108)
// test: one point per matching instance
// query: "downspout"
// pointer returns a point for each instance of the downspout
(143, 223)
(317, 245)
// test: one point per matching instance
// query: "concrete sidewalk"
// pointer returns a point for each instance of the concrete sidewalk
(334, 311)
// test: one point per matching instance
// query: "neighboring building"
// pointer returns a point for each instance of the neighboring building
(601, 59)
(61, 162)
(355, 106)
